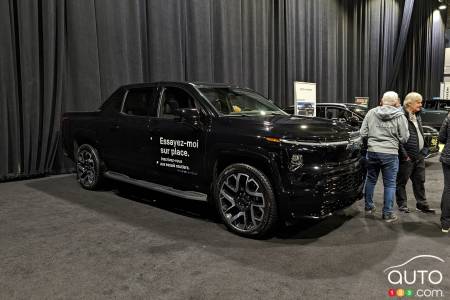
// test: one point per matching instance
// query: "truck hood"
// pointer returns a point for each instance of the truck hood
(297, 128)
(304, 128)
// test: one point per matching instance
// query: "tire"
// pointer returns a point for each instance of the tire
(245, 201)
(88, 167)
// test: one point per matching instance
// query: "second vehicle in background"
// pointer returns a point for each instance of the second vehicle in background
(353, 114)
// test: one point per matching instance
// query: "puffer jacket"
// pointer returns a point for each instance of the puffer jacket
(444, 138)
(410, 149)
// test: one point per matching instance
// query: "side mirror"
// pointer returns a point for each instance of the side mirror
(353, 121)
(189, 115)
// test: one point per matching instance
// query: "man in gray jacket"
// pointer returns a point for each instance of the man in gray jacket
(385, 127)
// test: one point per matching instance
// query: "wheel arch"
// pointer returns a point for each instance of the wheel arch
(84, 137)
(265, 162)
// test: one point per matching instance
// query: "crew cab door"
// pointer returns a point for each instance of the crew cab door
(134, 152)
(180, 142)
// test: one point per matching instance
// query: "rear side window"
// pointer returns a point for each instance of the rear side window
(114, 102)
(336, 113)
(140, 102)
(320, 112)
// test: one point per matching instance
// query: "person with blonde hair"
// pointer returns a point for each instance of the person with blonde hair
(412, 157)
(385, 128)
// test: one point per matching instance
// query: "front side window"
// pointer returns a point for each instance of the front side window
(174, 99)
(140, 102)
(236, 101)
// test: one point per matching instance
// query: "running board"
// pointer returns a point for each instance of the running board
(191, 195)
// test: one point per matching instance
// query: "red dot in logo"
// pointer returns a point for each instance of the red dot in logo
(391, 293)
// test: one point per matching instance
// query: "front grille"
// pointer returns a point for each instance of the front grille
(339, 191)
(340, 183)
(342, 153)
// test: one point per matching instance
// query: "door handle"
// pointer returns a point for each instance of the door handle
(114, 127)
(155, 130)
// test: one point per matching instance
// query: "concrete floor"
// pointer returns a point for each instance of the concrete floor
(60, 241)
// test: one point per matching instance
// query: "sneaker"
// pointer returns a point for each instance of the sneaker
(426, 209)
(445, 230)
(404, 209)
(389, 218)
(370, 211)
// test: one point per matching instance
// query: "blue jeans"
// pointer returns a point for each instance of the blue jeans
(445, 200)
(388, 164)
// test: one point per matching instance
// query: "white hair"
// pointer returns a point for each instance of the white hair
(390, 98)
(411, 98)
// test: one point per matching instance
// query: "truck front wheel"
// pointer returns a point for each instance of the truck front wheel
(245, 200)
(88, 167)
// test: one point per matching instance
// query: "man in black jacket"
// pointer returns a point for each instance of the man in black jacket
(444, 138)
(412, 157)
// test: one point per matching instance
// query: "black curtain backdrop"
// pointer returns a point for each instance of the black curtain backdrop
(422, 63)
(65, 55)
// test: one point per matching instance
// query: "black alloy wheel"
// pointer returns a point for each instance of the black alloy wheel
(245, 201)
(88, 167)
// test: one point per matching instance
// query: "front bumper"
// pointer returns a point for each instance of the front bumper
(318, 191)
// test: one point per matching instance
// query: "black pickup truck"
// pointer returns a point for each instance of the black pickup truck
(434, 112)
(223, 144)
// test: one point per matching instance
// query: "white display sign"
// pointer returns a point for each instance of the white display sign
(364, 101)
(446, 92)
(447, 61)
(305, 98)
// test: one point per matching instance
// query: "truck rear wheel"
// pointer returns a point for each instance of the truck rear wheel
(245, 201)
(88, 167)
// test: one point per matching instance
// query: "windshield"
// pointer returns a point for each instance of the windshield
(239, 102)
(358, 109)
(437, 104)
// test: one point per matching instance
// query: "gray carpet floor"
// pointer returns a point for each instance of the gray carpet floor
(58, 241)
